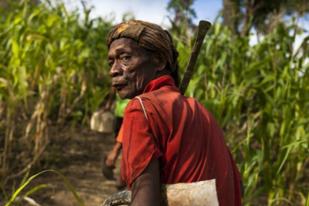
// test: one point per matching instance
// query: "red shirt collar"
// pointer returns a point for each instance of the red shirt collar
(165, 80)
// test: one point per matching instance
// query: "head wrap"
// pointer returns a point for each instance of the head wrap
(150, 37)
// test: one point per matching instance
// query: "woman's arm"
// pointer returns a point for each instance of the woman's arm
(146, 188)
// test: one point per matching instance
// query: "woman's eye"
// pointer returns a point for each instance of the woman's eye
(125, 58)
(110, 63)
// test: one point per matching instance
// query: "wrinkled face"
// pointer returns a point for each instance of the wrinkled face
(131, 67)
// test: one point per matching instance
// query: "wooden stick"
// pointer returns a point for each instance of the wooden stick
(203, 27)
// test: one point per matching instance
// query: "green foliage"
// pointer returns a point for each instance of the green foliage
(40, 43)
(27, 180)
(260, 95)
(182, 18)
(53, 68)
(182, 9)
(242, 15)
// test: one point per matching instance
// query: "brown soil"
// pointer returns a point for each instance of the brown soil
(77, 154)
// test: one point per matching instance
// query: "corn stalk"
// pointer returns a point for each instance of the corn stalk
(35, 41)
(259, 95)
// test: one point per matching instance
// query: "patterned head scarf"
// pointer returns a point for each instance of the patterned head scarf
(150, 37)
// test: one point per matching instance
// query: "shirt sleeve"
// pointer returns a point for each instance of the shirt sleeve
(120, 134)
(138, 143)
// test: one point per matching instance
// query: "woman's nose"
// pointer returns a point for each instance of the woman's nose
(115, 69)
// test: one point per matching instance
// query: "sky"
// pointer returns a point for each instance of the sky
(155, 11)
(149, 10)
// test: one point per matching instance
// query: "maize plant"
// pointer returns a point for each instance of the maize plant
(260, 95)
(52, 68)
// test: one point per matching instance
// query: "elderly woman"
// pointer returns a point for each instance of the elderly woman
(167, 137)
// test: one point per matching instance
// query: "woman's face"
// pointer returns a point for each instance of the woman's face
(131, 67)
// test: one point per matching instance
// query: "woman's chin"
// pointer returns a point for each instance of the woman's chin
(128, 93)
(123, 94)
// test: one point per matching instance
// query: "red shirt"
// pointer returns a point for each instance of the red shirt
(182, 135)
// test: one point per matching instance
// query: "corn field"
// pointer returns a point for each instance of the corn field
(260, 95)
(53, 71)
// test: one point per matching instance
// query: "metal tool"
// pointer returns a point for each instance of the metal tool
(203, 28)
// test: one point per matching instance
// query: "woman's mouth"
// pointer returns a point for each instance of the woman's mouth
(119, 86)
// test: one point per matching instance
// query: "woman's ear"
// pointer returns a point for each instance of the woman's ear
(160, 63)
